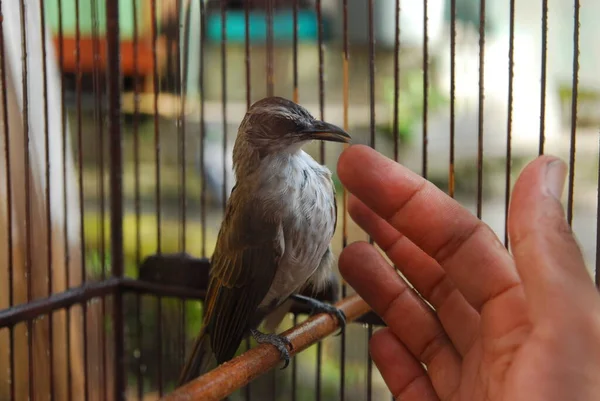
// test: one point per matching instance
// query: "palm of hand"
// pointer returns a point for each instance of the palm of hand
(502, 327)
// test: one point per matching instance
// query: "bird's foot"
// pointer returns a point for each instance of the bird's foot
(322, 307)
(279, 342)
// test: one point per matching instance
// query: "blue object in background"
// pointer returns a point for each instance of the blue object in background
(283, 26)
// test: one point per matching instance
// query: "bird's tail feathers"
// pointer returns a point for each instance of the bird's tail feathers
(200, 361)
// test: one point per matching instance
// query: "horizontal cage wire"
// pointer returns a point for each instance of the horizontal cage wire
(119, 119)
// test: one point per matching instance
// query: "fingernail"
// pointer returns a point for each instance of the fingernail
(556, 174)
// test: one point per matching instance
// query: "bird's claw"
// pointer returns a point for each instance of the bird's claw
(332, 310)
(322, 307)
(279, 342)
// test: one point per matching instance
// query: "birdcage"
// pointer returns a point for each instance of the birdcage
(118, 119)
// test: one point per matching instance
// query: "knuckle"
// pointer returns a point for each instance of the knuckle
(433, 348)
(455, 243)
(549, 226)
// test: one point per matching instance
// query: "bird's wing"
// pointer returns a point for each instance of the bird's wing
(247, 254)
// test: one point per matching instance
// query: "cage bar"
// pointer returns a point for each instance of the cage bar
(116, 190)
(574, 93)
(480, 103)
(9, 223)
(451, 166)
(27, 184)
(509, 121)
(203, 127)
(137, 202)
(224, 99)
(50, 348)
(543, 76)
(345, 94)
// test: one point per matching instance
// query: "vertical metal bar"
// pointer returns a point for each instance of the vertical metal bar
(182, 335)
(395, 126)
(295, 51)
(369, 365)
(159, 344)
(543, 75)
(158, 191)
(372, 74)
(247, 51)
(181, 92)
(184, 85)
(270, 92)
(202, 130)
(50, 349)
(157, 144)
(186, 43)
(78, 76)
(224, 97)
(345, 94)
(116, 190)
(511, 74)
(295, 98)
(321, 88)
(480, 113)
(67, 250)
(425, 86)
(137, 202)
(98, 89)
(100, 92)
(136, 136)
(273, 385)
(597, 270)
(372, 144)
(156, 126)
(574, 96)
(27, 178)
(294, 367)
(270, 78)
(451, 172)
(318, 386)
(140, 355)
(9, 228)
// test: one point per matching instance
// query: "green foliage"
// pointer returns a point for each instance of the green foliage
(410, 103)
(148, 237)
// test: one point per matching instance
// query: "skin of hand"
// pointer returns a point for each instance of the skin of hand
(512, 326)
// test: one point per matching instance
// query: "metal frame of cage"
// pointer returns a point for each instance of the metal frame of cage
(258, 360)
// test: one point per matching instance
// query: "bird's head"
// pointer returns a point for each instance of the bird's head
(274, 125)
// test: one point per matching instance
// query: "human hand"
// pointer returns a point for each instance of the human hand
(520, 327)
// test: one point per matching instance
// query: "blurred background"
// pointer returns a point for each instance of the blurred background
(183, 116)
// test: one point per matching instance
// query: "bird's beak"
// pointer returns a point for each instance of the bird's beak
(322, 131)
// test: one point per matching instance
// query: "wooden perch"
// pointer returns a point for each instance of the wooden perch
(230, 376)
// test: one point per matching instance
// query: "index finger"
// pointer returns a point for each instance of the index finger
(463, 245)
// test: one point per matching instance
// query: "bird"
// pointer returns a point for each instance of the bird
(275, 237)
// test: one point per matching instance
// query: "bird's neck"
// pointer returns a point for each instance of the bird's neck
(277, 172)
(248, 162)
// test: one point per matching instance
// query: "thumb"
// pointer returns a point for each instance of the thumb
(546, 253)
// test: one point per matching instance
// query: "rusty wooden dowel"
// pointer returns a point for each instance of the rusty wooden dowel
(230, 376)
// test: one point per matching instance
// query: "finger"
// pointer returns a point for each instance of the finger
(457, 316)
(404, 312)
(467, 249)
(403, 374)
(546, 252)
